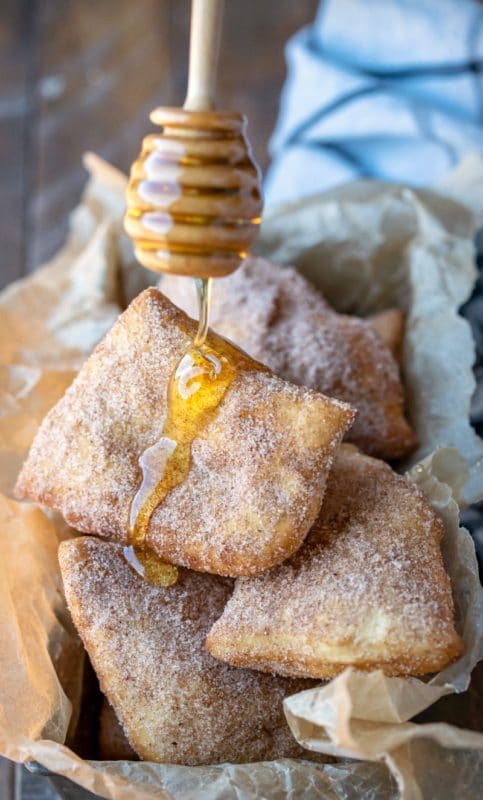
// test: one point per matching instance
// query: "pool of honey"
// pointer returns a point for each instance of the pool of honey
(196, 389)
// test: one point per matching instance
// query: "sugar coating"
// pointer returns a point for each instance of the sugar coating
(258, 469)
(280, 319)
(367, 589)
(174, 701)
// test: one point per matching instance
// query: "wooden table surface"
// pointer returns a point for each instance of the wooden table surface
(79, 75)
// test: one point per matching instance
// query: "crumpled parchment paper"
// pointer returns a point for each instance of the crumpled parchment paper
(368, 246)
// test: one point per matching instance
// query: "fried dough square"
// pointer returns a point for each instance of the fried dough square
(258, 469)
(275, 314)
(368, 588)
(174, 701)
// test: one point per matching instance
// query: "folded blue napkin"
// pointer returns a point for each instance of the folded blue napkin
(388, 89)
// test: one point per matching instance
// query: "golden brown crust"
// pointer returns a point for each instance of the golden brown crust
(258, 470)
(280, 319)
(175, 702)
(368, 588)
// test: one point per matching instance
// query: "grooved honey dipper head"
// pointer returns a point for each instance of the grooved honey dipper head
(193, 199)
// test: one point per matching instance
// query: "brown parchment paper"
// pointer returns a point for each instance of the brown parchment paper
(368, 246)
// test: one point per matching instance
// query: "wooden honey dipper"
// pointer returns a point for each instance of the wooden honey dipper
(193, 199)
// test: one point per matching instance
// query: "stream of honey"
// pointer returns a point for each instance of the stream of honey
(193, 208)
(195, 391)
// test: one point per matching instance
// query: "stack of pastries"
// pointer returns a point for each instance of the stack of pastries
(300, 552)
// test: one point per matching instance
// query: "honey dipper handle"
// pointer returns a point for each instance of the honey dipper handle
(206, 21)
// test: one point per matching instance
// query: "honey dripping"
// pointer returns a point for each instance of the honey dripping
(193, 208)
(195, 391)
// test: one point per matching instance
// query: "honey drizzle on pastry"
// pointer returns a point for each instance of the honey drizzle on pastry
(196, 389)
(193, 208)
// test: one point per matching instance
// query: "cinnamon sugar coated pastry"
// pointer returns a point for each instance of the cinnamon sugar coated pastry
(174, 701)
(274, 314)
(113, 745)
(368, 588)
(258, 468)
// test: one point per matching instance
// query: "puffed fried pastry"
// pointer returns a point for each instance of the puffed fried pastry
(175, 702)
(258, 468)
(368, 588)
(276, 316)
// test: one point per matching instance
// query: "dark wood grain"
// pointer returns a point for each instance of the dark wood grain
(8, 780)
(95, 87)
(15, 107)
(82, 75)
(36, 787)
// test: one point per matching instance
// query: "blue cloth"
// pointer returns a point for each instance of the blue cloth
(389, 89)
